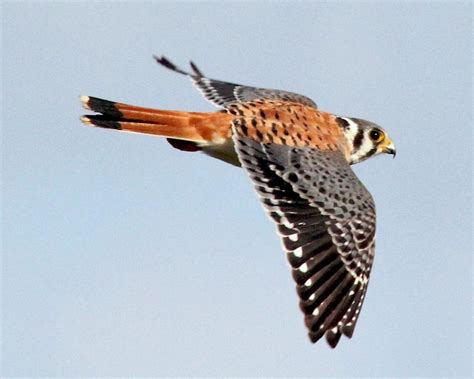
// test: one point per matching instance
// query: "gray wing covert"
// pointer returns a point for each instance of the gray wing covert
(222, 93)
(326, 219)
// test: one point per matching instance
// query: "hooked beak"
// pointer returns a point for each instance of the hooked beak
(390, 149)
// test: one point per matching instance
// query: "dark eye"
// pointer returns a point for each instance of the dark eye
(376, 135)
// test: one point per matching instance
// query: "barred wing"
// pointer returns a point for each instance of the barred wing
(326, 219)
(224, 93)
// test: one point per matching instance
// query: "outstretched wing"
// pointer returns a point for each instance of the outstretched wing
(326, 219)
(223, 93)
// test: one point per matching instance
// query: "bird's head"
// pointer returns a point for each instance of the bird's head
(365, 139)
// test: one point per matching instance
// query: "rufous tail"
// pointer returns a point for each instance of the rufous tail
(184, 130)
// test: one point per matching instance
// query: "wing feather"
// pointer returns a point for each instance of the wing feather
(328, 234)
(223, 94)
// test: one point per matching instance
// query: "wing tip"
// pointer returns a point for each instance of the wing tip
(196, 70)
(332, 336)
(165, 62)
(348, 330)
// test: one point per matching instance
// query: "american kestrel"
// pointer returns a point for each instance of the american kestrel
(298, 159)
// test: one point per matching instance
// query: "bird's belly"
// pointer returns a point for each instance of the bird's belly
(222, 151)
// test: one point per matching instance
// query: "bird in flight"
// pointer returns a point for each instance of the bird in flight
(298, 159)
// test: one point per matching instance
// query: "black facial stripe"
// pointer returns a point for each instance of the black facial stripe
(371, 152)
(358, 140)
(343, 123)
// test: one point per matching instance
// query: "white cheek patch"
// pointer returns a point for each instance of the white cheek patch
(350, 133)
(364, 149)
(352, 129)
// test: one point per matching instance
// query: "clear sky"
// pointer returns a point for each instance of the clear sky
(123, 256)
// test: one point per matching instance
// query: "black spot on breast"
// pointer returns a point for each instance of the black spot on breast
(274, 129)
(244, 129)
(292, 177)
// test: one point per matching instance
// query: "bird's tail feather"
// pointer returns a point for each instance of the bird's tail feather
(184, 130)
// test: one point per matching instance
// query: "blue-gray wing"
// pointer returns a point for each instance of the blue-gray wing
(326, 219)
(223, 94)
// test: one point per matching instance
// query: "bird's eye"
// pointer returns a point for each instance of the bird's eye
(376, 135)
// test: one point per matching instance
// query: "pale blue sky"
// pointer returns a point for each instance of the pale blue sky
(122, 256)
